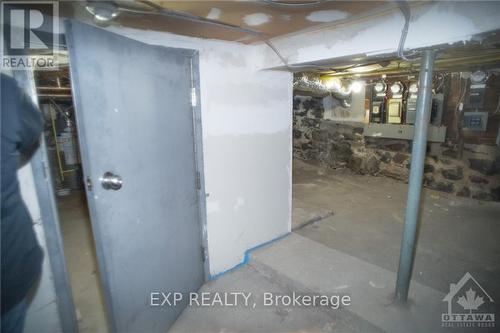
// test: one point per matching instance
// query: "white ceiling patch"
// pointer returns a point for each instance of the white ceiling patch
(327, 16)
(256, 19)
(214, 14)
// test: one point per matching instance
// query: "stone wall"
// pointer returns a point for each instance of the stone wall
(473, 171)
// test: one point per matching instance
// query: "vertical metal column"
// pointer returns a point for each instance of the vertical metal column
(416, 174)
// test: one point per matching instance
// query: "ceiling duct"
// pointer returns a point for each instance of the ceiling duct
(311, 84)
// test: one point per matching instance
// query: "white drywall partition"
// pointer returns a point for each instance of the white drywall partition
(247, 131)
(432, 23)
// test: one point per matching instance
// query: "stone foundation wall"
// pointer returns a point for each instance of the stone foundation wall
(472, 172)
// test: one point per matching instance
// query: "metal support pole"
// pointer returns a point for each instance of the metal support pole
(416, 174)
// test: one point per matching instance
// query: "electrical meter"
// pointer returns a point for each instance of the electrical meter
(396, 89)
(478, 77)
(413, 89)
(380, 87)
(477, 88)
(377, 109)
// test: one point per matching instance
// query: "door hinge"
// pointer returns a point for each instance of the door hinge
(88, 183)
(198, 181)
(204, 254)
(193, 97)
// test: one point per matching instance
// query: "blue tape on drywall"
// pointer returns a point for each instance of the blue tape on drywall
(246, 257)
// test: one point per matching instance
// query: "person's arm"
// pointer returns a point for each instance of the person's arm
(30, 123)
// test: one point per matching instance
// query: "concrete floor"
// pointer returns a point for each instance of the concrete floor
(258, 318)
(456, 235)
(356, 251)
(81, 262)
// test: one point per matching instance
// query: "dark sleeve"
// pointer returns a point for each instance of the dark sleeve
(30, 123)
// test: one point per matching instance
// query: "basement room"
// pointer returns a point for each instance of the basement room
(250, 166)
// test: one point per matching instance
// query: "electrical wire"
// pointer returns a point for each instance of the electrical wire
(442, 78)
(458, 112)
(462, 96)
(63, 113)
(497, 110)
(405, 9)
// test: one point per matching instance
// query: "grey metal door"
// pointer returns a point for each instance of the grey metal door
(135, 122)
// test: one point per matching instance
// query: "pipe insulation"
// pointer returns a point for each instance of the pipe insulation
(311, 84)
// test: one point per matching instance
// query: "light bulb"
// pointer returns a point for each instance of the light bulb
(356, 86)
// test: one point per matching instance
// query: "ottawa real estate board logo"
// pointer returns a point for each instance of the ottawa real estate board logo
(30, 34)
(469, 305)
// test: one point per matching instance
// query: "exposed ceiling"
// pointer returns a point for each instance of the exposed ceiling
(268, 17)
(481, 53)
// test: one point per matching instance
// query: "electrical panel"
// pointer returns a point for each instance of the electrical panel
(475, 121)
(377, 114)
(395, 104)
(437, 109)
(401, 106)
(475, 98)
(377, 109)
(411, 103)
(394, 111)
(474, 117)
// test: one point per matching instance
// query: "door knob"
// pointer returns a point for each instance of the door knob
(110, 181)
